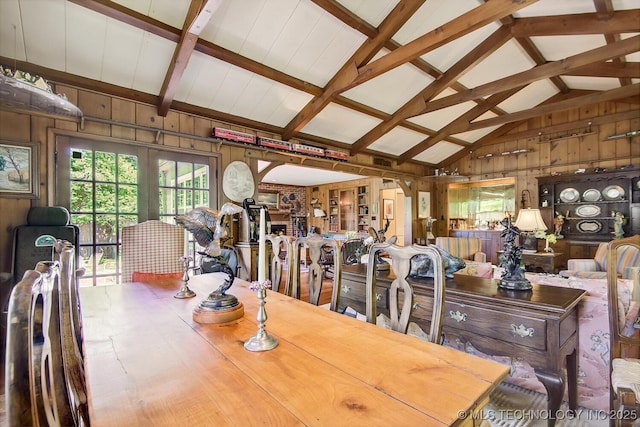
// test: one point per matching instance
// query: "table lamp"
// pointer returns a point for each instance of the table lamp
(528, 221)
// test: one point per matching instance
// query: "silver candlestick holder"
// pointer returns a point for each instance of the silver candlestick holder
(262, 341)
(185, 292)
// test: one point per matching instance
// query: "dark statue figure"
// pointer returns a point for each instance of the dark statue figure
(421, 265)
(511, 259)
(207, 228)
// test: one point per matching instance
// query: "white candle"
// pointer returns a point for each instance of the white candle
(262, 274)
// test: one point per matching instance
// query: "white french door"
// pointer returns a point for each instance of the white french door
(107, 186)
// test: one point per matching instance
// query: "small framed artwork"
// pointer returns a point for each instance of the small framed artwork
(387, 208)
(424, 204)
(271, 199)
(19, 169)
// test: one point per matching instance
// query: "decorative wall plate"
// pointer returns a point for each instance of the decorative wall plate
(586, 211)
(569, 195)
(589, 226)
(613, 192)
(237, 181)
(591, 195)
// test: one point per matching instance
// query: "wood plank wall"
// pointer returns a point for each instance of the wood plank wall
(562, 156)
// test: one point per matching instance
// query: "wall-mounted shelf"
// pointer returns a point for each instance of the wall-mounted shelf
(571, 133)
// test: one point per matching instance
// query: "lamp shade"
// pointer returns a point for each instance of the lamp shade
(530, 220)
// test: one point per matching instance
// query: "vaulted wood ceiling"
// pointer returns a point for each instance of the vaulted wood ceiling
(410, 80)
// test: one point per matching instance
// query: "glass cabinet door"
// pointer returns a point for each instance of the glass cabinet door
(347, 210)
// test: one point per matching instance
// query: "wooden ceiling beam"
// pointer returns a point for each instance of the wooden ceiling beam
(610, 95)
(458, 125)
(604, 8)
(624, 21)
(540, 72)
(477, 18)
(197, 18)
(627, 70)
(417, 104)
(349, 71)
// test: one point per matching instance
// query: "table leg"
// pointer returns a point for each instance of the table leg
(572, 379)
(554, 384)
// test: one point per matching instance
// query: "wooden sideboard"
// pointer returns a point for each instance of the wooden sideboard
(540, 325)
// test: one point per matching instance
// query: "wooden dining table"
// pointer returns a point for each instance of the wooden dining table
(148, 363)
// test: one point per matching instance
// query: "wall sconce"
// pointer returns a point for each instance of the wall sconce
(319, 213)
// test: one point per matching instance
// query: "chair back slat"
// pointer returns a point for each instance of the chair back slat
(401, 264)
(316, 245)
(71, 332)
(281, 263)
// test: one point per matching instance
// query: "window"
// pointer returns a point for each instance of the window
(106, 187)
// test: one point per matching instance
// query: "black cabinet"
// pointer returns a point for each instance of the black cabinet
(590, 202)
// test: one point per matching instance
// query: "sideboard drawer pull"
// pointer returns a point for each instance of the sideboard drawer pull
(522, 330)
(346, 289)
(457, 316)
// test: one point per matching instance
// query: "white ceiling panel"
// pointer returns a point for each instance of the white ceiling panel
(303, 176)
(448, 55)
(201, 80)
(442, 117)
(373, 12)
(172, 12)
(341, 124)
(44, 37)
(561, 47)
(391, 90)
(555, 7)
(591, 83)
(529, 96)
(509, 59)
(397, 141)
(153, 61)
(431, 15)
(118, 35)
(86, 37)
(11, 31)
(438, 152)
(474, 135)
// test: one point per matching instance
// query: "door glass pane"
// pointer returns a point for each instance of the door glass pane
(128, 198)
(105, 167)
(81, 197)
(81, 164)
(167, 201)
(128, 169)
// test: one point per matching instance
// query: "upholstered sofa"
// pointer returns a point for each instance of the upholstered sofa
(596, 268)
(467, 248)
(593, 351)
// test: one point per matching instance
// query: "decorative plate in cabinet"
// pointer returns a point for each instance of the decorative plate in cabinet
(587, 211)
(613, 192)
(589, 226)
(569, 195)
(591, 195)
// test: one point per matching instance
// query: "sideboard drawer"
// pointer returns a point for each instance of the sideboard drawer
(500, 325)
(354, 294)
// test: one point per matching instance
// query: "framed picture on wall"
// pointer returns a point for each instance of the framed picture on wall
(387, 208)
(424, 204)
(271, 199)
(19, 169)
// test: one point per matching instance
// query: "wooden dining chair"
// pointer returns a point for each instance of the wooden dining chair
(71, 331)
(401, 264)
(35, 387)
(152, 248)
(281, 263)
(624, 324)
(316, 245)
